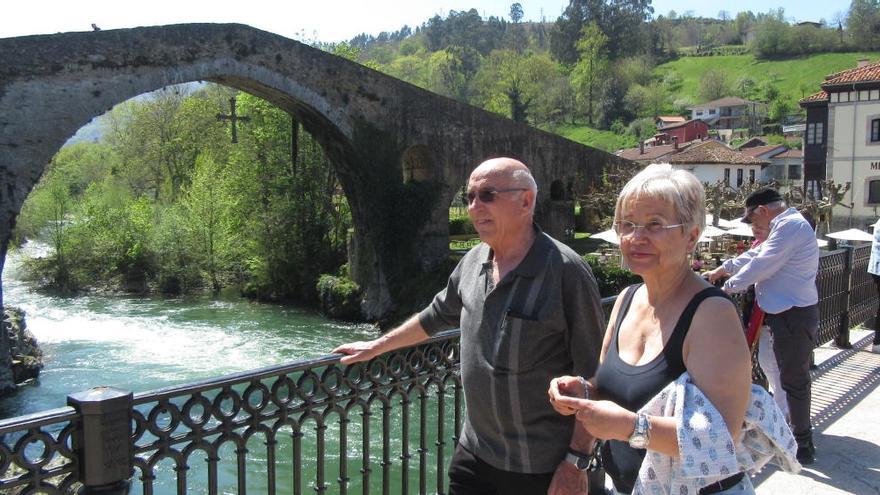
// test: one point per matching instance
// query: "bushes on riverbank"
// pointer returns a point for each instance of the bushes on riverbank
(166, 203)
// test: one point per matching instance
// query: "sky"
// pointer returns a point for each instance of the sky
(334, 20)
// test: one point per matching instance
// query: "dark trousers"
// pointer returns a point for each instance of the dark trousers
(468, 475)
(877, 318)
(794, 337)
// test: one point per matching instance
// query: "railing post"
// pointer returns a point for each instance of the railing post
(842, 339)
(103, 444)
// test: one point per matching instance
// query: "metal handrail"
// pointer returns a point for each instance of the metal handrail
(53, 451)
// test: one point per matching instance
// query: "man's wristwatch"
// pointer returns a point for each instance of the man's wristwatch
(580, 460)
(641, 433)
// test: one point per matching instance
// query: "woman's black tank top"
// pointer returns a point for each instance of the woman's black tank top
(633, 386)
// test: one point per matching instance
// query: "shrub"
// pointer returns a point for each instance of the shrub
(340, 297)
(611, 279)
(460, 225)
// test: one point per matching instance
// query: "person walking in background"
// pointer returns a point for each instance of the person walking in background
(874, 270)
(783, 269)
(766, 356)
(529, 309)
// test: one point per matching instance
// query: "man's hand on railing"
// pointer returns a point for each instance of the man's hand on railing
(358, 351)
(410, 333)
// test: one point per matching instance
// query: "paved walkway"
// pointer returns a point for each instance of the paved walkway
(846, 422)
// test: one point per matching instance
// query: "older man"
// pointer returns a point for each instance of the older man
(529, 309)
(783, 269)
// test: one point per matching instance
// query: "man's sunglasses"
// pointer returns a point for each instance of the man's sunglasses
(747, 218)
(487, 195)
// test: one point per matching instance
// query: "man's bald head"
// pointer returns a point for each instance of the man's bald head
(507, 169)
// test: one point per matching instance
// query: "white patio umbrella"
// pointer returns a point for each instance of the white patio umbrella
(726, 224)
(712, 231)
(742, 230)
(851, 235)
(607, 236)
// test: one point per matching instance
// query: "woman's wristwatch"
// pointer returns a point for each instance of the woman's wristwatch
(641, 433)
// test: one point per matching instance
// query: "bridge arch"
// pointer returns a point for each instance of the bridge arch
(399, 151)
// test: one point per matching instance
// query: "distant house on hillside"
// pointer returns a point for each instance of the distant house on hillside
(842, 140)
(731, 113)
(684, 132)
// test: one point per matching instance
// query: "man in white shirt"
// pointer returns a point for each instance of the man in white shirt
(783, 269)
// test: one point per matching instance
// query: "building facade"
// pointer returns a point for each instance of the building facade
(842, 141)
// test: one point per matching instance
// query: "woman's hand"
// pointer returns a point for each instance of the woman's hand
(566, 386)
(602, 418)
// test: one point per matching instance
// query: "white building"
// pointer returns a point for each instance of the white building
(712, 161)
(842, 141)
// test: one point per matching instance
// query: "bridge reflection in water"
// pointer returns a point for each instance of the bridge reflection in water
(386, 426)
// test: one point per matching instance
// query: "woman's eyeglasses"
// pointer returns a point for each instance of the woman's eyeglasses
(625, 228)
(487, 195)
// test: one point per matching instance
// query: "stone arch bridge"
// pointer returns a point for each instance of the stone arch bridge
(400, 152)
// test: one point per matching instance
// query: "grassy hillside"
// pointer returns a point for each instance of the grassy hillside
(603, 140)
(796, 78)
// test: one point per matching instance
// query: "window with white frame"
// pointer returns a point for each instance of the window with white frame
(875, 130)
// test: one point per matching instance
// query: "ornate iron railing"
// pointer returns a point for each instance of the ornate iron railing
(305, 426)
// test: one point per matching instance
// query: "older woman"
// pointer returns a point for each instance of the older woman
(674, 322)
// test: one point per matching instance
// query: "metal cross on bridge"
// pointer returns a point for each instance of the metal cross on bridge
(234, 118)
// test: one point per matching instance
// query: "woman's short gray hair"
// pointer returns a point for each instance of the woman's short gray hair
(679, 188)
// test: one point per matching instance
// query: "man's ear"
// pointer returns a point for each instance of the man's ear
(529, 199)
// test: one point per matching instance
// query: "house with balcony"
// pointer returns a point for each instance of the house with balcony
(842, 141)
(731, 113)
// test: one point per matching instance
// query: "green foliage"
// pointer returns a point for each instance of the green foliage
(714, 84)
(340, 297)
(170, 205)
(862, 22)
(795, 77)
(603, 140)
(461, 225)
(611, 279)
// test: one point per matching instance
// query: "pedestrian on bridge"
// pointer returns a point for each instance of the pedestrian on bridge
(874, 270)
(783, 269)
(529, 309)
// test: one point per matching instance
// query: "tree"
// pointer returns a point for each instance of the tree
(508, 82)
(516, 12)
(713, 85)
(590, 66)
(863, 24)
(622, 21)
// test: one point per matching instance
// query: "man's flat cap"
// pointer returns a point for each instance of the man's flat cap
(763, 196)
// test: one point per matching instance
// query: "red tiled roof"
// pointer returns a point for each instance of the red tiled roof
(868, 73)
(714, 152)
(820, 96)
(756, 151)
(651, 153)
(682, 124)
(790, 154)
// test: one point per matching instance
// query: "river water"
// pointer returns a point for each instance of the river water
(141, 344)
